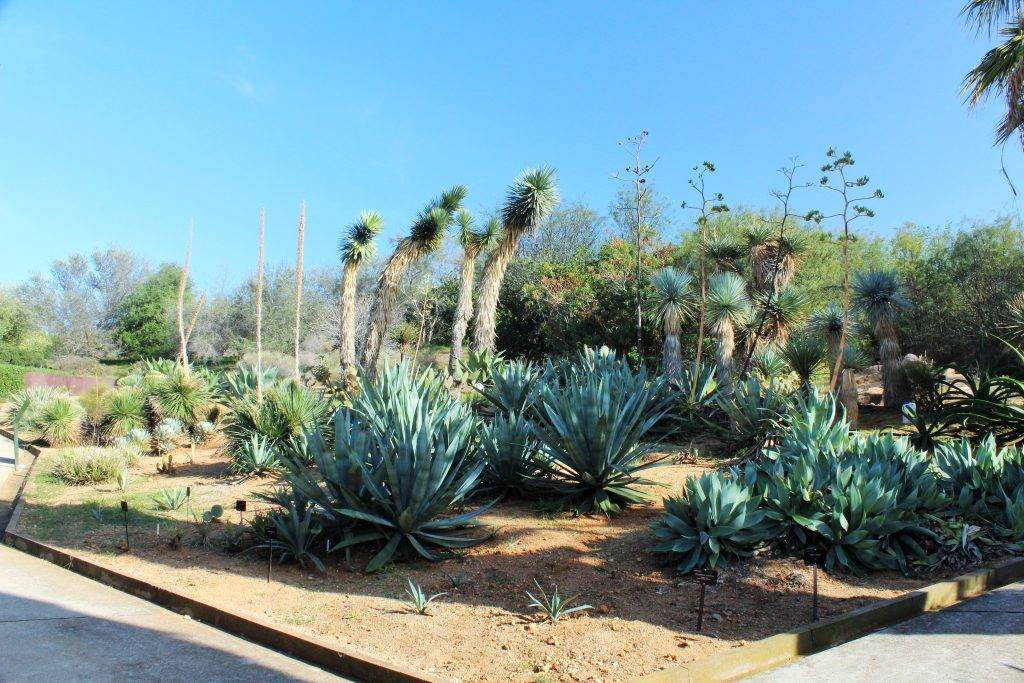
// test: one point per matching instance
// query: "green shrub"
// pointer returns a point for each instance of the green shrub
(125, 411)
(89, 465)
(716, 519)
(60, 421)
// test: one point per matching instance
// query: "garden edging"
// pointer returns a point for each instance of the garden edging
(784, 648)
(343, 661)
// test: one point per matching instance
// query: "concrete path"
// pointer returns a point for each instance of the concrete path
(58, 626)
(978, 640)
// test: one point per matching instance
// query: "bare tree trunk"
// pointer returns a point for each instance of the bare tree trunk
(259, 308)
(892, 359)
(298, 289)
(848, 397)
(484, 330)
(384, 302)
(348, 318)
(463, 311)
(183, 340)
(639, 269)
(841, 348)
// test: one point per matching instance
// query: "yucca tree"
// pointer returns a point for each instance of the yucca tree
(473, 243)
(723, 253)
(804, 353)
(879, 296)
(673, 301)
(773, 261)
(426, 235)
(356, 247)
(828, 325)
(728, 308)
(1001, 70)
(529, 200)
(782, 312)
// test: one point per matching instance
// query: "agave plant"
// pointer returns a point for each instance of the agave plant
(478, 367)
(402, 462)
(255, 458)
(170, 499)
(418, 598)
(125, 411)
(979, 478)
(299, 533)
(591, 430)
(715, 520)
(754, 411)
(509, 453)
(554, 606)
(512, 386)
(242, 381)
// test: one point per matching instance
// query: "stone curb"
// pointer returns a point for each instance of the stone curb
(342, 661)
(784, 648)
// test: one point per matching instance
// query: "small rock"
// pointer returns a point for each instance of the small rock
(716, 616)
(604, 609)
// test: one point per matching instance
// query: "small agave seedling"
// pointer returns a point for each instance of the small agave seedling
(554, 606)
(418, 599)
(97, 514)
(170, 499)
(122, 480)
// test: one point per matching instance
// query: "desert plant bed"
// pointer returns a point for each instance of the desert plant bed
(642, 617)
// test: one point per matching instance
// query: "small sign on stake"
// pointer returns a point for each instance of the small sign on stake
(188, 501)
(705, 577)
(814, 557)
(240, 505)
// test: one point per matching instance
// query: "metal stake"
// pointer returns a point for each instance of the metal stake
(700, 608)
(271, 535)
(124, 509)
(814, 598)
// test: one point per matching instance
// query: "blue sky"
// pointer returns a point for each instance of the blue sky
(122, 120)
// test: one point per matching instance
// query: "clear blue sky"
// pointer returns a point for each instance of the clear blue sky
(121, 120)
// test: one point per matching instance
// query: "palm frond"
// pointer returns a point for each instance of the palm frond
(357, 244)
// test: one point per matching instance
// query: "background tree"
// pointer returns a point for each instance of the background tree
(564, 233)
(532, 196)
(143, 326)
(473, 242)
(426, 236)
(357, 246)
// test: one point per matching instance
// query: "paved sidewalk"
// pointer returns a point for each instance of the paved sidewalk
(978, 640)
(59, 626)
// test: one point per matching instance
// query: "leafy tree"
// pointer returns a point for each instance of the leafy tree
(565, 232)
(143, 327)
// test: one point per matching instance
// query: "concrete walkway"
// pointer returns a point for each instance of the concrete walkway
(59, 626)
(978, 640)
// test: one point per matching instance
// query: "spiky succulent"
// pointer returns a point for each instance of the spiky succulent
(357, 245)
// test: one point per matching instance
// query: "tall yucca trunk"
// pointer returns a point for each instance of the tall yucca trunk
(259, 308)
(348, 317)
(725, 347)
(672, 353)
(463, 310)
(298, 288)
(892, 358)
(384, 301)
(763, 269)
(484, 330)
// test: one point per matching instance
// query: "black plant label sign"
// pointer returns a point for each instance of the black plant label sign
(240, 505)
(707, 577)
(814, 557)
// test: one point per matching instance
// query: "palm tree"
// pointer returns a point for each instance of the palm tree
(728, 308)
(425, 236)
(357, 246)
(473, 242)
(532, 196)
(878, 294)
(674, 302)
(1001, 70)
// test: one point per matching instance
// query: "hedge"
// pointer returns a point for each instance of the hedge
(12, 378)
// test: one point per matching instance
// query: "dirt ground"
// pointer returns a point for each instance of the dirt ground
(643, 618)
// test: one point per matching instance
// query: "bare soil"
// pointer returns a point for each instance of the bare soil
(643, 618)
